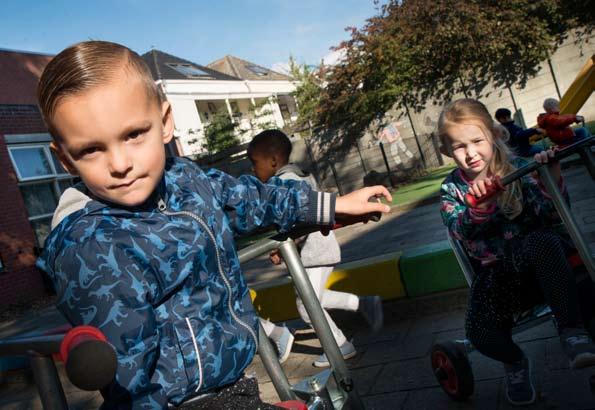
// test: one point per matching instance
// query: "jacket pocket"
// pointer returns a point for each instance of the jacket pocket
(215, 354)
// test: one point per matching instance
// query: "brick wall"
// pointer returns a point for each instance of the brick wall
(20, 281)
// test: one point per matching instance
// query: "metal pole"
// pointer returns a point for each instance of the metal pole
(273, 367)
(421, 152)
(334, 171)
(588, 158)
(516, 108)
(386, 163)
(321, 327)
(361, 157)
(549, 63)
(48, 383)
(551, 187)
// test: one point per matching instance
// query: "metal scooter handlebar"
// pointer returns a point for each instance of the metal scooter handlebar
(473, 201)
(268, 244)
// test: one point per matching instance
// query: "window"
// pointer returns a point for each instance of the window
(260, 71)
(189, 70)
(41, 180)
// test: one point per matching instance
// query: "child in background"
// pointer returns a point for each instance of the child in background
(519, 138)
(557, 126)
(143, 248)
(269, 153)
(512, 243)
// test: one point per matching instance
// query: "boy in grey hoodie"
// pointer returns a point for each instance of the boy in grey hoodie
(269, 153)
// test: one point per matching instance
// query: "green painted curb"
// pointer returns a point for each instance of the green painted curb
(429, 269)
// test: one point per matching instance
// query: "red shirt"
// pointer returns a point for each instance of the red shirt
(556, 126)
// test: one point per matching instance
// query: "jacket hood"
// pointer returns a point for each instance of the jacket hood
(293, 169)
(71, 201)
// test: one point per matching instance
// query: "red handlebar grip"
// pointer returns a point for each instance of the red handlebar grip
(472, 201)
(76, 336)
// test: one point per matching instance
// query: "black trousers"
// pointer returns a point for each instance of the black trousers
(536, 270)
(241, 395)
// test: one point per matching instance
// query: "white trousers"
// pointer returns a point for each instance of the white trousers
(329, 299)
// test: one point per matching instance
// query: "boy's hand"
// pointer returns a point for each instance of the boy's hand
(356, 202)
(275, 257)
(547, 156)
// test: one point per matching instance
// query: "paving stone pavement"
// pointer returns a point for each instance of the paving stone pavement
(392, 368)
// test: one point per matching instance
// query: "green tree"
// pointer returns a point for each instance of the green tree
(419, 51)
(307, 94)
(220, 133)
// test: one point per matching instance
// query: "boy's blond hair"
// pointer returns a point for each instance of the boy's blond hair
(470, 111)
(86, 65)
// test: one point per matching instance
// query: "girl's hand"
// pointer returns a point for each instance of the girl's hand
(481, 188)
(545, 157)
(356, 202)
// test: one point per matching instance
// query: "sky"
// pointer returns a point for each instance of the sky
(265, 32)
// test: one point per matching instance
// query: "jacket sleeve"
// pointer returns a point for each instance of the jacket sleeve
(250, 204)
(525, 134)
(463, 222)
(559, 120)
(95, 288)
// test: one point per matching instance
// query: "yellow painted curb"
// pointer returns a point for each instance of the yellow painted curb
(372, 276)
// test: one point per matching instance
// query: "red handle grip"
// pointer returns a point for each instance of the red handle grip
(78, 335)
(496, 187)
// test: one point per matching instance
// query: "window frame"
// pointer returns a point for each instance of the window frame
(48, 156)
(53, 179)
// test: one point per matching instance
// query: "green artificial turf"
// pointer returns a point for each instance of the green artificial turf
(422, 187)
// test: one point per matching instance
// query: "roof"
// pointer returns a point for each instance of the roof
(246, 70)
(19, 75)
(164, 66)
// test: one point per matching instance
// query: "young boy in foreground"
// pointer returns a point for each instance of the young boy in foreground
(143, 249)
(269, 153)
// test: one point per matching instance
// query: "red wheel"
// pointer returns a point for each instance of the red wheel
(452, 369)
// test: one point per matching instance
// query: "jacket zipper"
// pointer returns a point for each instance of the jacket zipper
(163, 209)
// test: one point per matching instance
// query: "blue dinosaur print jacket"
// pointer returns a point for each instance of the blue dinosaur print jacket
(163, 280)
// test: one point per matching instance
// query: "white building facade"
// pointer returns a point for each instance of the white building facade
(196, 93)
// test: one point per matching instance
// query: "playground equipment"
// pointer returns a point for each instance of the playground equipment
(81, 348)
(450, 359)
(332, 388)
(577, 93)
(84, 348)
(580, 90)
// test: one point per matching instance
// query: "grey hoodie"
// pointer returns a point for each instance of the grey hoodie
(318, 249)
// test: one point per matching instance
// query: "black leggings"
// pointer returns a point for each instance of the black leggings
(537, 269)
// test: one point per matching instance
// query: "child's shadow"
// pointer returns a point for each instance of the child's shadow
(305, 348)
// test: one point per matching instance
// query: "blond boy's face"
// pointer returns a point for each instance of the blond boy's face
(113, 137)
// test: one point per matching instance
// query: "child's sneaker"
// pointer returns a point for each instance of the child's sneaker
(579, 347)
(519, 383)
(284, 341)
(347, 350)
(371, 308)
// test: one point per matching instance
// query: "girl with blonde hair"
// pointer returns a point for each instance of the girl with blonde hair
(513, 239)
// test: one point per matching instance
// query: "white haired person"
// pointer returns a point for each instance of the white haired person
(557, 126)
